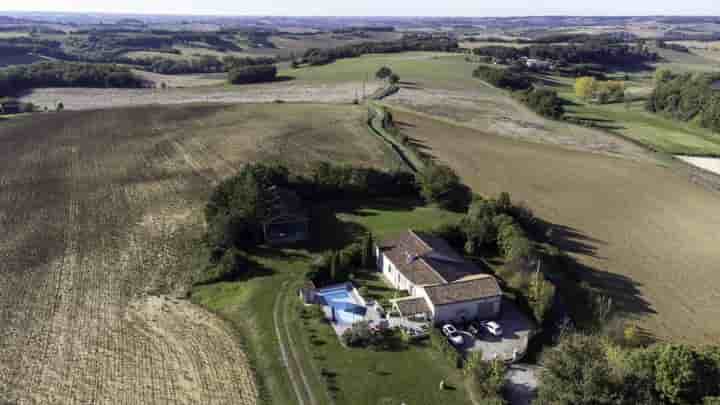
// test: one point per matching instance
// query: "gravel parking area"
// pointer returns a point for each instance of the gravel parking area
(516, 334)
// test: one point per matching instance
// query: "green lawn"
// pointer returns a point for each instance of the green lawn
(365, 376)
(634, 122)
(432, 69)
(334, 373)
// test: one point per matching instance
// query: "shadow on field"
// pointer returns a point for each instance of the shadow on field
(568, 239)
(411, 85)
(284, 78)
(623, 291)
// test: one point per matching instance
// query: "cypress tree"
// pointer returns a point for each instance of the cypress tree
(367, 258)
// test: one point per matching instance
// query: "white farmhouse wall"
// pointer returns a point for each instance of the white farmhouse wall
(488, 308)
(393, 276)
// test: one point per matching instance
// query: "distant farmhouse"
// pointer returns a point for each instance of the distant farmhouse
(287, 221)
(442, 285)
(537, 64)
(10, 106)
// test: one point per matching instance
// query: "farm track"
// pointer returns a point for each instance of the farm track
(99, 212)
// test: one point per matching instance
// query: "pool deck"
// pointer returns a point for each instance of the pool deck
(372, 315)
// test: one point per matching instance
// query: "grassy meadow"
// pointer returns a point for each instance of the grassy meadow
(431, 69)
(632, 121)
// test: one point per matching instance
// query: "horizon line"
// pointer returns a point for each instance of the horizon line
(230, 15)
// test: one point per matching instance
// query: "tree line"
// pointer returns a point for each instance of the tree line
(201, 64)
(591, 52)
(600, 370)
(66, 74)
(542, 100)
(687, 97)
(239, 204)
(317, 56)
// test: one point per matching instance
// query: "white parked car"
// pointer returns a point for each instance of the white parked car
(452, 334)
(493, 328)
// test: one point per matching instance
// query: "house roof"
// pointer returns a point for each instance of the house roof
(425, 259)
(475, 288)
(411, 306)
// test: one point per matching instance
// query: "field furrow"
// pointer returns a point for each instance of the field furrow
(99, 215)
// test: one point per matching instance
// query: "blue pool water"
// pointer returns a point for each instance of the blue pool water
(347, 310)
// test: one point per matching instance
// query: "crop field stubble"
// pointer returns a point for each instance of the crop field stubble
(643, 233)
(99, 213)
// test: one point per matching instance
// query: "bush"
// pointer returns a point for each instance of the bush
(358, 335)
(489, 378)
(252, 74)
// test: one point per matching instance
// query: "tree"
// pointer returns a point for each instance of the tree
(252, 74)
(585, 87)
(577, 372)
(60, 106)
(394, 79)
(676, 374)
(383, 73)
(367, 251)
(334, 266)
(441, 185)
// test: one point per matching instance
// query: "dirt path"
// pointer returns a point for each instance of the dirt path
(284, 349)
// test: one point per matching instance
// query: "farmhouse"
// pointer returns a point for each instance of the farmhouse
(9, 106)
(287, 221)
(442, 286)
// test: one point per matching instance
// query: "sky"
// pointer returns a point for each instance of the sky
(465, 8)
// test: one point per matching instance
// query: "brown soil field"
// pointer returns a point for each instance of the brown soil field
(491, 110)
(198, 89)
(99, 212)
(643, 233)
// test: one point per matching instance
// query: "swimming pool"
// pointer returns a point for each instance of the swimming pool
(343, 303)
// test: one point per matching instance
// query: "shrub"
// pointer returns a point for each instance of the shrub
(489, 378)
(358, 335)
